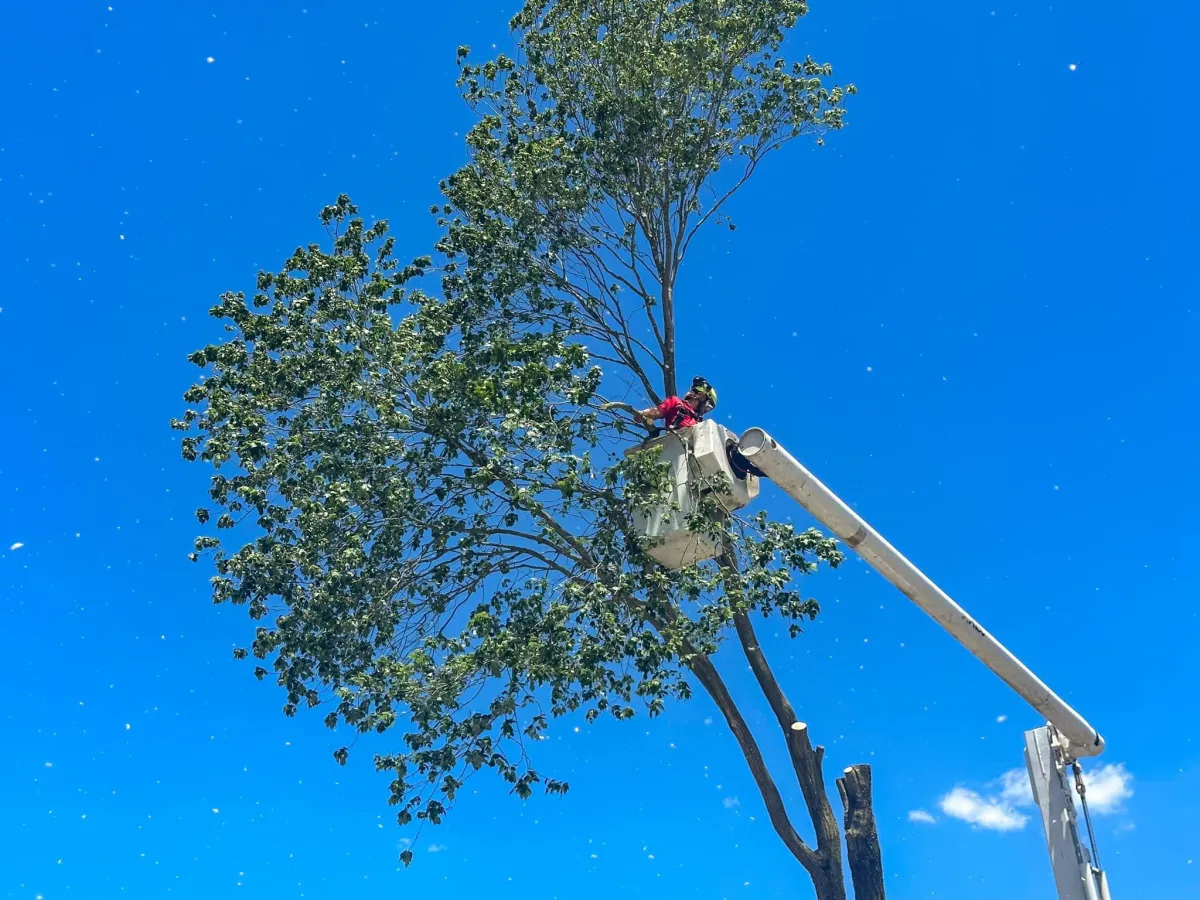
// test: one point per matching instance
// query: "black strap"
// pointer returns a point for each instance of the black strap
(673, 425)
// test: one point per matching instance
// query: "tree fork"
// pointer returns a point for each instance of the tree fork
(806, 761)
(862, 838)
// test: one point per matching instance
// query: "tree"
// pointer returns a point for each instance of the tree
(432, 499)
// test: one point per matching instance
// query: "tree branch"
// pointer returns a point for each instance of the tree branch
(708, 676)
(805, 761)
(712, 682)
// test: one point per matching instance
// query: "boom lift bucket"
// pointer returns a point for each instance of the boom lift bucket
(699, 464)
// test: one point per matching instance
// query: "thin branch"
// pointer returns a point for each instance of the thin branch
(805, 762)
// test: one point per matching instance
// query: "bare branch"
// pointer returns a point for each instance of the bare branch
(805, 762)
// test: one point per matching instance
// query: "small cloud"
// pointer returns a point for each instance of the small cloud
(215, 810)
(49, 765)
(1107, 787)
(919, 815)
(17, 546)
(708, 720)
(983, 812)
(437, 848)
(996, 810)
(1001, 719)
(731, 802)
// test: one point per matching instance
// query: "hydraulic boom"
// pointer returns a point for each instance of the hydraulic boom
(798, 483)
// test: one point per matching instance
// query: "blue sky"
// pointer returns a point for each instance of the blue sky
(973, 313)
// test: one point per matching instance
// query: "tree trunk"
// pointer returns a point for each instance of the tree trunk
(862, 838)
(668, 304)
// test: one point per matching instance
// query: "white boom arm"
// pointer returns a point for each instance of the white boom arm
(798, 483)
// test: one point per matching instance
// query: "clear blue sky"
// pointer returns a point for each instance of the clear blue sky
(973, 313)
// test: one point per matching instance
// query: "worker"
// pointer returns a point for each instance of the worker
(689, 411)
(677, 413)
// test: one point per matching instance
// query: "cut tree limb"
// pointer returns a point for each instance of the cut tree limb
(805, 760)
(862, 837)
(826, 872)
(812, 861)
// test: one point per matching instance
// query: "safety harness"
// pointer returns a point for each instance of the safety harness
(673, 424)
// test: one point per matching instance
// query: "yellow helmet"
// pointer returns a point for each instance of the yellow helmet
(701, 386)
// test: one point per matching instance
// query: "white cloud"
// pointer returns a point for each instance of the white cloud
(437, 848)
(1001, 719)
(1107, 787)
(984, 812)
(17, 546)
(731, 802)
(998, 809)
(919, 815)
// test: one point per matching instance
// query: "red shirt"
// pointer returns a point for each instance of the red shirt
(677, 413)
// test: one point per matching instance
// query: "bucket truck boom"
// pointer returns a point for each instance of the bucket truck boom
(802, 486)
(1051, 752)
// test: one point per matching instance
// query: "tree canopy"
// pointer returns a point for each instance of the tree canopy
(620, 130)
(420, 495)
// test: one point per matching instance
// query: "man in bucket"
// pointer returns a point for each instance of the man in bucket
(682, 413)
(678, 414)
